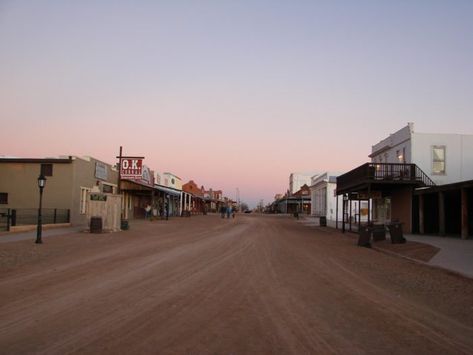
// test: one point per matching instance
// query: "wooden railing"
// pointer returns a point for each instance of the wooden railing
(384, 172)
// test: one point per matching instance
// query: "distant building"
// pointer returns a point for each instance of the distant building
(297, 180)
(192, 198)
(323, 198)
(172, 181)
(303, 194)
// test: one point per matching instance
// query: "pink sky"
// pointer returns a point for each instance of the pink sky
(231, 94)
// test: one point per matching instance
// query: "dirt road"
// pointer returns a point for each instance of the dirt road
(203, 285)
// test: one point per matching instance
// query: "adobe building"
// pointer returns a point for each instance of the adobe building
(193, 198)
(69, 180)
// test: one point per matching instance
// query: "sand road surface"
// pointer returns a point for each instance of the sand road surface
(206, 285)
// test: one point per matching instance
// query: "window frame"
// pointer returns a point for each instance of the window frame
(444, 161)
(83, 199)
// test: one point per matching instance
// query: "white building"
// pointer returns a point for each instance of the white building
(323, 198)
(445, 158)
(297, 180)
(172, 181)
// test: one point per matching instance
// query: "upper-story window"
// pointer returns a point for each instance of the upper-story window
(47, 169)
(401, 155)
(3, 198)
(438, 160)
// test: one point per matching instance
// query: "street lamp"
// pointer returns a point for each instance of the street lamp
(41, 184)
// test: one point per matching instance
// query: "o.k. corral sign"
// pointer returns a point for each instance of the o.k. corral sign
(131, 167)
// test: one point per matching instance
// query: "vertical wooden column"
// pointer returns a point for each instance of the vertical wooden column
(351, 207)
(441, 213)
(421, 214)
(464, 214)
(181, 201)
(369, 203)
(336, 213)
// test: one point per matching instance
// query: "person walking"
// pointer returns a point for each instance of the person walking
(148, 211)
(222, 211)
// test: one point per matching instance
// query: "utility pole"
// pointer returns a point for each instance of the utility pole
(238, 198)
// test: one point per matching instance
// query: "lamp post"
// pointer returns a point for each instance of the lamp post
(41, 184)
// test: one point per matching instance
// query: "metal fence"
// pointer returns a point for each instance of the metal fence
(11, 217)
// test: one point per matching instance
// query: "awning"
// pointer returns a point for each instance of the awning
(168, 190)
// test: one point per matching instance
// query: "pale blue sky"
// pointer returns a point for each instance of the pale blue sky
(282, 86)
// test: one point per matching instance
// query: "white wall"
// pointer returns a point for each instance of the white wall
(398, 141)
(458, 159)
(173, 181)
(418, 150)
(323, 201)
(297, 180)
(467, 158)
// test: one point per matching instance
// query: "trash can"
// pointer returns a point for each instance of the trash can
(323, 221)
(124, 225)
(364, 236)
(96, 225)
(395, 230)
(379, 232)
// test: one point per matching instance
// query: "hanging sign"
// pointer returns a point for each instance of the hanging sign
(131, 167)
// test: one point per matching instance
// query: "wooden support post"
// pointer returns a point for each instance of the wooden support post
(349, 224)
(464, 214)
(441, 213)
(421, 215)
(336, 213)
(369, 203)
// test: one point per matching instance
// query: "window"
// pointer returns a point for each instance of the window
(47, 169)
(83, 199)
(107, 189)
(3, 198)
(401, 155)
(438, 160)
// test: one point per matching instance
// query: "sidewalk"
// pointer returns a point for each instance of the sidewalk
(31, 235)
(455, 254)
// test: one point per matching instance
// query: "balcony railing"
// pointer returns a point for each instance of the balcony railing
(384, 172)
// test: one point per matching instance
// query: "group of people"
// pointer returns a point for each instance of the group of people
(228, 210)
(153, 211)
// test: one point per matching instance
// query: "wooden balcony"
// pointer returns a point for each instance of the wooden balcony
(382, 174)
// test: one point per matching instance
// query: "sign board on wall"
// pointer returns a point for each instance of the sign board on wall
(101, 171)
(98, 197)
(131, 167)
